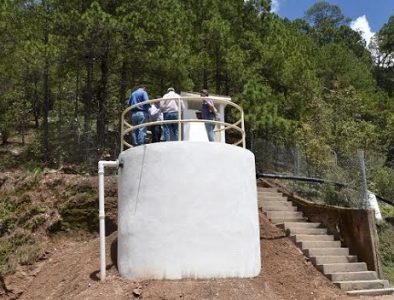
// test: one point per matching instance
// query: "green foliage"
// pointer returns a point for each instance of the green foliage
(78, 212)
(382, 180)
(340, 68)
(261, 104)
(384, 49)
(68, 67)
(386, 37)
(386, 249)
(35, 204)
(324, 12)
(20, 249)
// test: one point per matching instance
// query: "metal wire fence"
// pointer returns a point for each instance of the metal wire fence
(344, 176)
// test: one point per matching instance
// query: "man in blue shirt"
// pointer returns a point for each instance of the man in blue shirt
(139, 115)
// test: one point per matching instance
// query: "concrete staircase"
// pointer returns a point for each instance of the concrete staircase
(328, 256)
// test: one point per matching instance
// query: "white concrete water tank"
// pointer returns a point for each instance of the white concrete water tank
(187, 210)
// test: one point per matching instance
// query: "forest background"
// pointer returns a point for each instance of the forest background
(67, 69)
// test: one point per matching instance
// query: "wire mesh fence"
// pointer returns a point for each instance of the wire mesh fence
(344, 176)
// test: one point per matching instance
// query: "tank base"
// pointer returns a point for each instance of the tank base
(187, 210)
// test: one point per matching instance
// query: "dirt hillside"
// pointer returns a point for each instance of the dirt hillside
(70, 270)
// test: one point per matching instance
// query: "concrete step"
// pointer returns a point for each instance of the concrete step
(295, 225)
(288, 219)
(312, 237)
(276, 202)
(272, 198)
(267, 189)
(353, 276)
(274, 205)
(305, 230)
(372, 292)
(342, 267)
(319, 260)
(318, 244)
(362, 284)
(268, 194)
(278, 207)
(325, 253)
(283, 214)
(312, 252)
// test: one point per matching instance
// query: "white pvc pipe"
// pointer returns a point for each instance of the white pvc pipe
(101, 165)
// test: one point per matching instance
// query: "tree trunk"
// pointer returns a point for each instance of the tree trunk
(226, 85)
(4, 136)
(102, 100)
(76, 108)
(122, 101)
(123, 85)
(46, 90)
(205, 78)
(46, 111)
(36, 106)
(218, 78)
(88, 93)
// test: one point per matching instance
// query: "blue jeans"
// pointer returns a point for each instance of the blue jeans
(170, 130)
(209, 127)
(138, 135)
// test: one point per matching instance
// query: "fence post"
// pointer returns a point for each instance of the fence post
(364, 187)
(296, 160)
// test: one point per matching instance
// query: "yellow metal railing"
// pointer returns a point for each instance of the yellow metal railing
(127, 128)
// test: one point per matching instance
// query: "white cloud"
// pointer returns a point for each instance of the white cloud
(275, 6)
(361, 24)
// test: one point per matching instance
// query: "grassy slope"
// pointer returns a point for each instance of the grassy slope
(34, 205)
(386, 242)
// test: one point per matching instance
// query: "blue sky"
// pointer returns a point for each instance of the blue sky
(376, 12)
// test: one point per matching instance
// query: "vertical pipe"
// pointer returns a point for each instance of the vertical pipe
(101, 220)
(101, 165)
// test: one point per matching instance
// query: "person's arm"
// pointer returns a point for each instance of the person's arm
(161, 105)
(212, 107)
(131, 98)
(145, 97)
(182, 105)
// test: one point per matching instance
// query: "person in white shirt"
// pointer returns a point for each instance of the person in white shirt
(169, 108)
(155, 115)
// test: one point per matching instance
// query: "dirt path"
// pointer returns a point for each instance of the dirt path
(71, 272)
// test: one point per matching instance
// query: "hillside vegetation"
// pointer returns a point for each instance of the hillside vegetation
(67, 69)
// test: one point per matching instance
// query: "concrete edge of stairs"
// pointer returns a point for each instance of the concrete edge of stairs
(339, 266)
(372, 292)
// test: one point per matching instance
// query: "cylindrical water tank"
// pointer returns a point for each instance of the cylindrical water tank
(187, 210)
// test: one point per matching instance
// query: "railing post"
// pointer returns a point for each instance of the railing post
(243, 128)
(121, 131)
(222, 127)
(222, 132)
(179, 120)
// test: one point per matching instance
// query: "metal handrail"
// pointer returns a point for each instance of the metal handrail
(126, 127)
